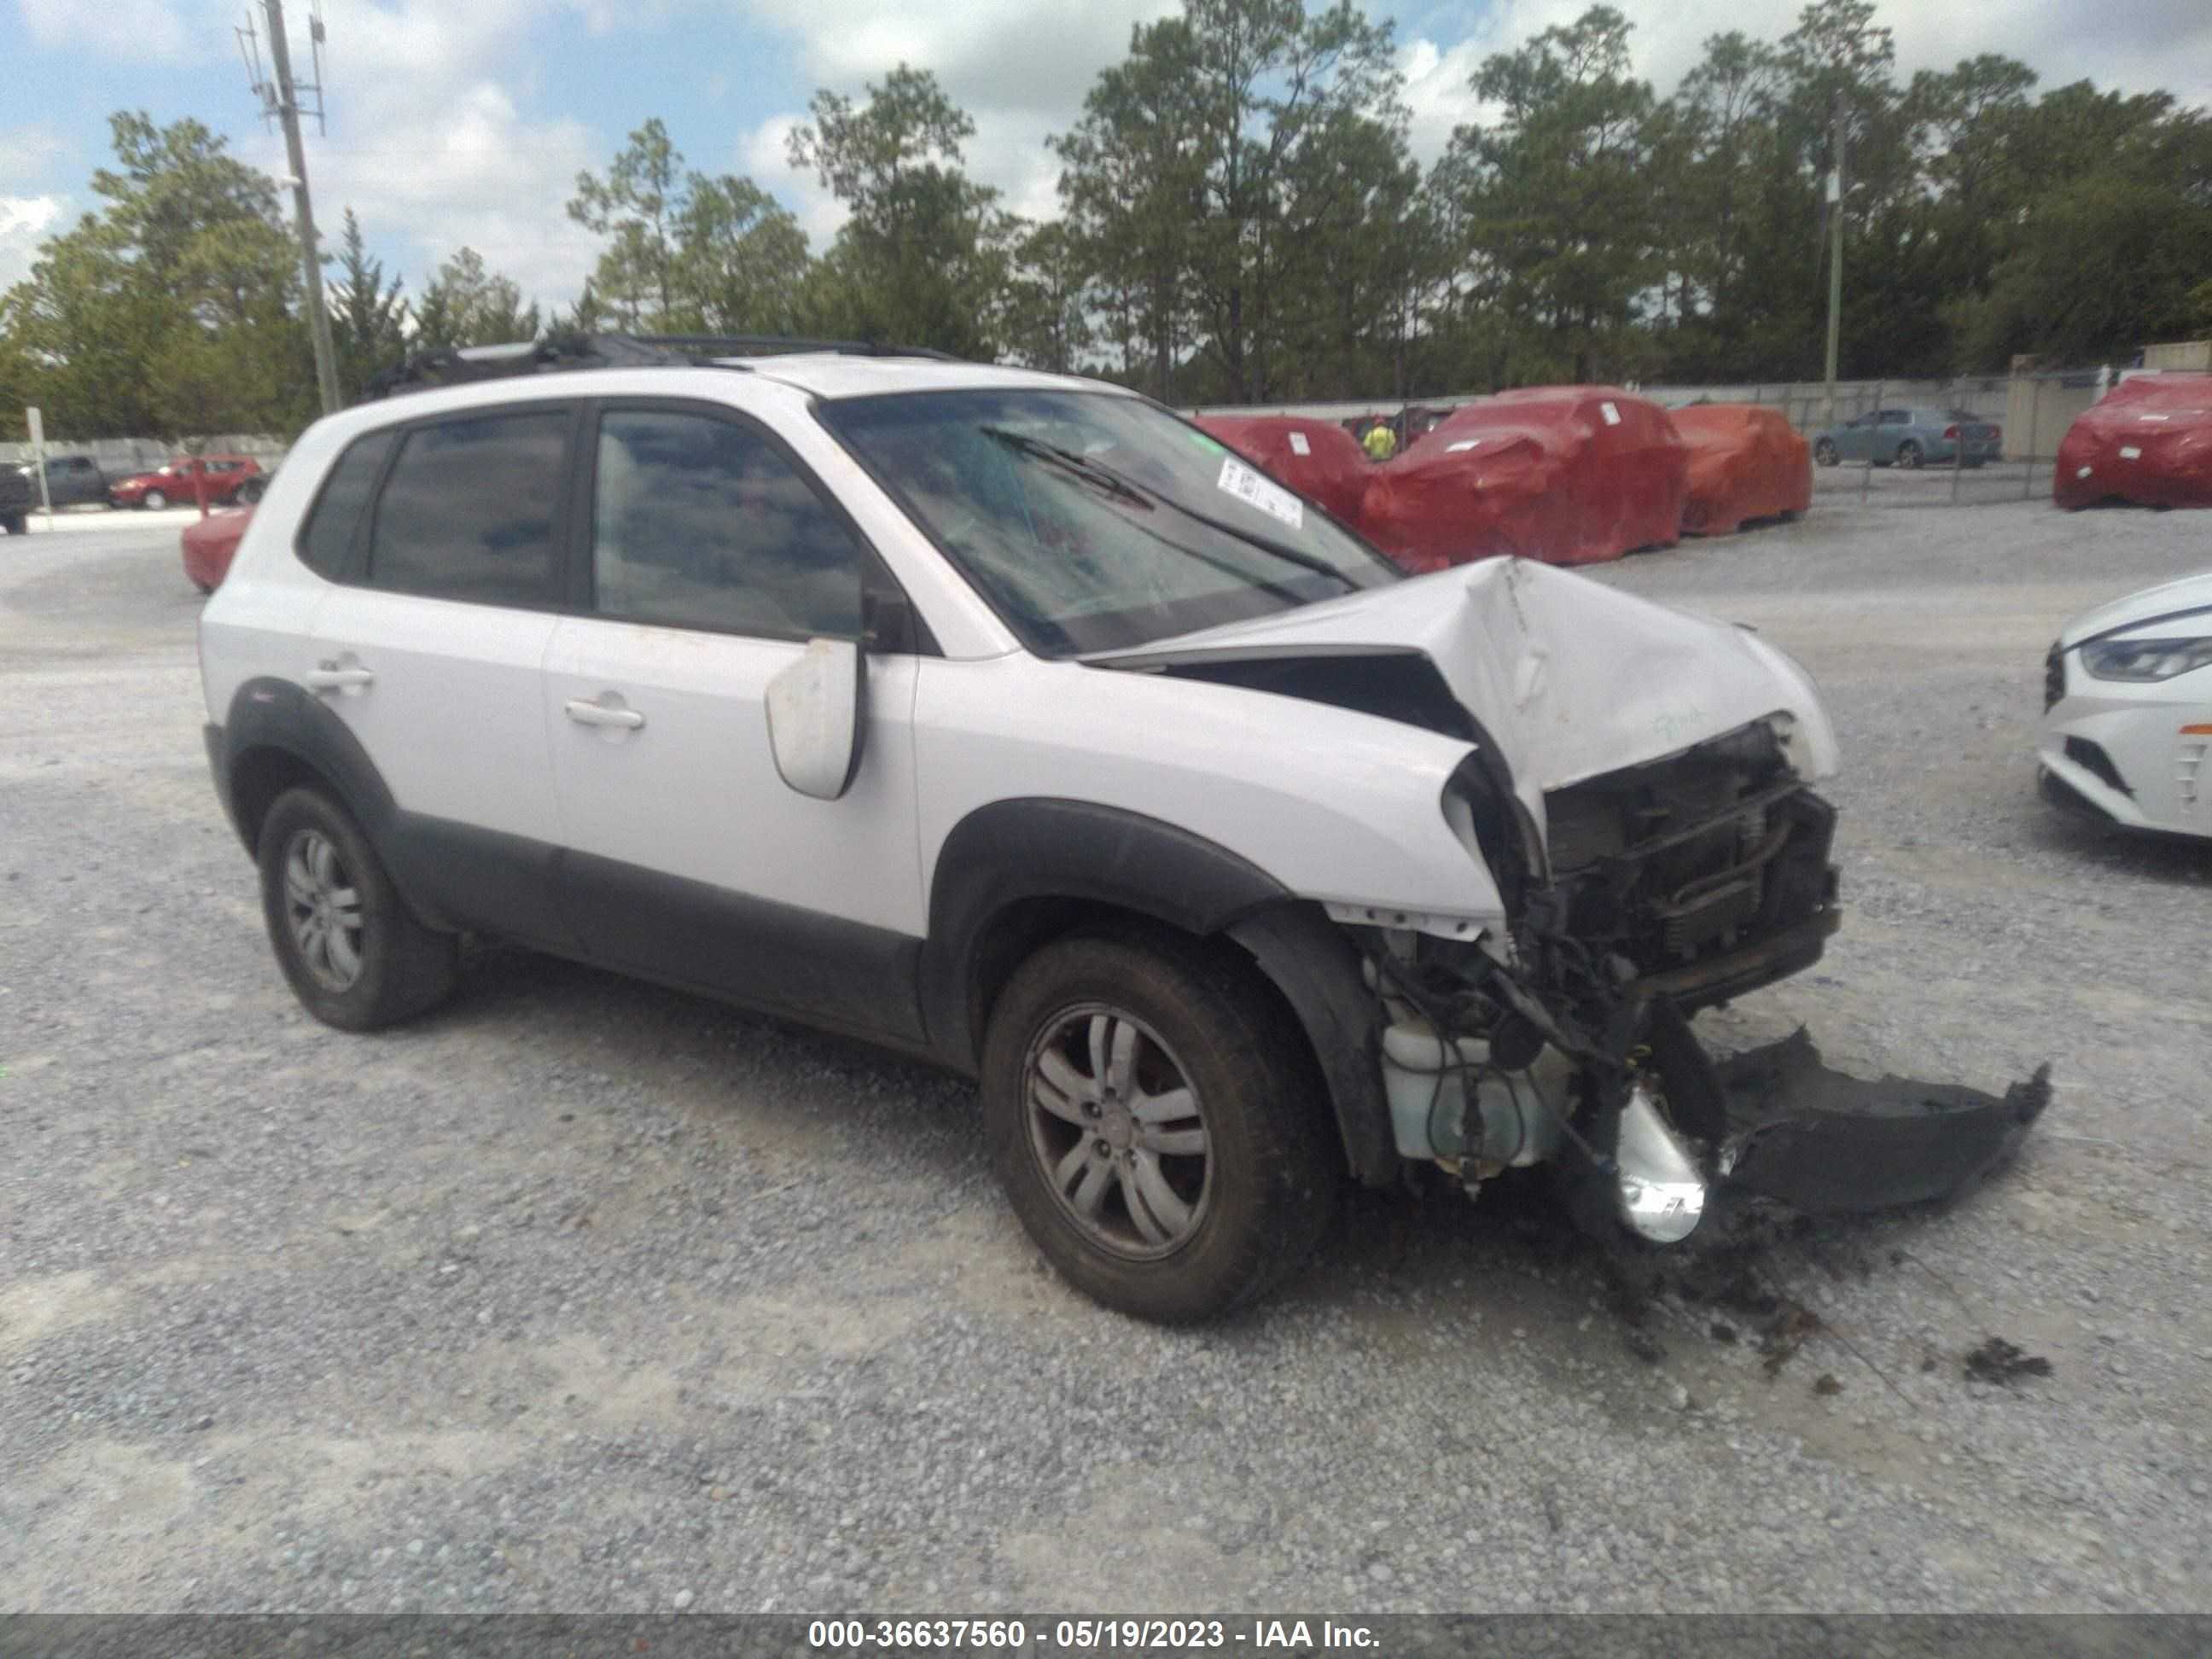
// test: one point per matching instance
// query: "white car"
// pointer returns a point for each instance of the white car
(2127, 698)
(1010, 721)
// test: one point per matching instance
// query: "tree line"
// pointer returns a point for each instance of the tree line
(1243, 220)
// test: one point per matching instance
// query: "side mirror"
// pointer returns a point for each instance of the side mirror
(815, 706)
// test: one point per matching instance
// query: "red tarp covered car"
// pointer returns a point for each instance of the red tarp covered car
(2148, 441)
(209, 543)
(1567, 474)
(1745, 463)
(1318, 459)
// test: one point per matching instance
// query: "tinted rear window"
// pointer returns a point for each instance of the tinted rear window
(327, 535)
(467, 513)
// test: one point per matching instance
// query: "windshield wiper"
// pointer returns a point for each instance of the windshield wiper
(1106, 478)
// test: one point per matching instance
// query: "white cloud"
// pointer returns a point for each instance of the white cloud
(1039, 55)
(2133, 44)
(763, 157)
(25, 221)
(1438, 93)
(426, 141)
(1007, 153)
(114, 28)
(1019, 67)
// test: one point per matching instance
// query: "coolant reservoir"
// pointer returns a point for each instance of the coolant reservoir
(1518, 1114)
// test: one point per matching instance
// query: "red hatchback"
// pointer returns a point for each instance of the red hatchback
(171, 483)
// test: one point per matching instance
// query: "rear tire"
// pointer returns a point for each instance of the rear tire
(352, 953)
(1825, 453)
(16, 524)
(1908, 456)
(1216, 1088)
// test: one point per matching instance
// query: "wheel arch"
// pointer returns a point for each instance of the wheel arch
(276, 735)
(1015, 875)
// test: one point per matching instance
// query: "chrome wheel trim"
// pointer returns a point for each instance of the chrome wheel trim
(322, 909)
(1118, 1133)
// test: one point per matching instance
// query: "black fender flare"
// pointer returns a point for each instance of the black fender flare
(1011, 852)
(276, 717)
(268, 713)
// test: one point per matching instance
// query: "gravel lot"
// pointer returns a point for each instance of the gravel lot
(584, 1295)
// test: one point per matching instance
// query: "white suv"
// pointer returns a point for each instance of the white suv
(1010, 720)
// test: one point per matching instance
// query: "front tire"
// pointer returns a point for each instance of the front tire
(353, 955)
(16, 524)
(153, 501)
(1157, 1124)
(1825, 453)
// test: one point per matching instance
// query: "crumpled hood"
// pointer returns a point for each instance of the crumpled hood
(2174, 599)
(1571, 678)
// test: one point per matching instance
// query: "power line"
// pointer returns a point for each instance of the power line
(281, 98)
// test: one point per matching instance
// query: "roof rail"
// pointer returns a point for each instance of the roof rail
(447, 366)
(766, 345)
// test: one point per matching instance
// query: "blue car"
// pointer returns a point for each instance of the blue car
(1911, 438)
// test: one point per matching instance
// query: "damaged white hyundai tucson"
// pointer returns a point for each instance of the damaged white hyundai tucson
(1008, 720)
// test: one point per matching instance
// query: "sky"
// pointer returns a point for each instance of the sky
(455, 122)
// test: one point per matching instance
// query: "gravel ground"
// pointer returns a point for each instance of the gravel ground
(583, 1295)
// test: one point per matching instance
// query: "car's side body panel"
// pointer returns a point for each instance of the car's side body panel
(1332, 805)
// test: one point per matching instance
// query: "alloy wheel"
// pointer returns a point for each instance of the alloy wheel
(1118, 1132)
(322, 907)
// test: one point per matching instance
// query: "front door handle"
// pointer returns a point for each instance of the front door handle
(587, 712)
(333, 677)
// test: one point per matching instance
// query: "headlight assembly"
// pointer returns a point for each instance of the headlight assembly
(2144, 660)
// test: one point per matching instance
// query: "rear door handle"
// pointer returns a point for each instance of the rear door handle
(332, 677)
(587, 712)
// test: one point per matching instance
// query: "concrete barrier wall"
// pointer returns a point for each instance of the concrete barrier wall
(2034, 409)
(119, 457)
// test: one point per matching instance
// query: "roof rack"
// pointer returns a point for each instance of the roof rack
(708, 346)
(447, 366)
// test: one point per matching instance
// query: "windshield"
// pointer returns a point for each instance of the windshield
(1092, 521)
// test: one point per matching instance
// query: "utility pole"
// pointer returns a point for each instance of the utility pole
(283, 101)
(1835, 251)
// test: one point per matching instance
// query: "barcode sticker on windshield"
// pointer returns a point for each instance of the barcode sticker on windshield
(1298, 444)
(2158, 417)
(1248, 487)
(1464, 443)
(1611, 414)
(2130, 452)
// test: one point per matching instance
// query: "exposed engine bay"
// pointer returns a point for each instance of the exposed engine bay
(1667, 887)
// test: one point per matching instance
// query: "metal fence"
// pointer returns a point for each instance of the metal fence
(2034, 411)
